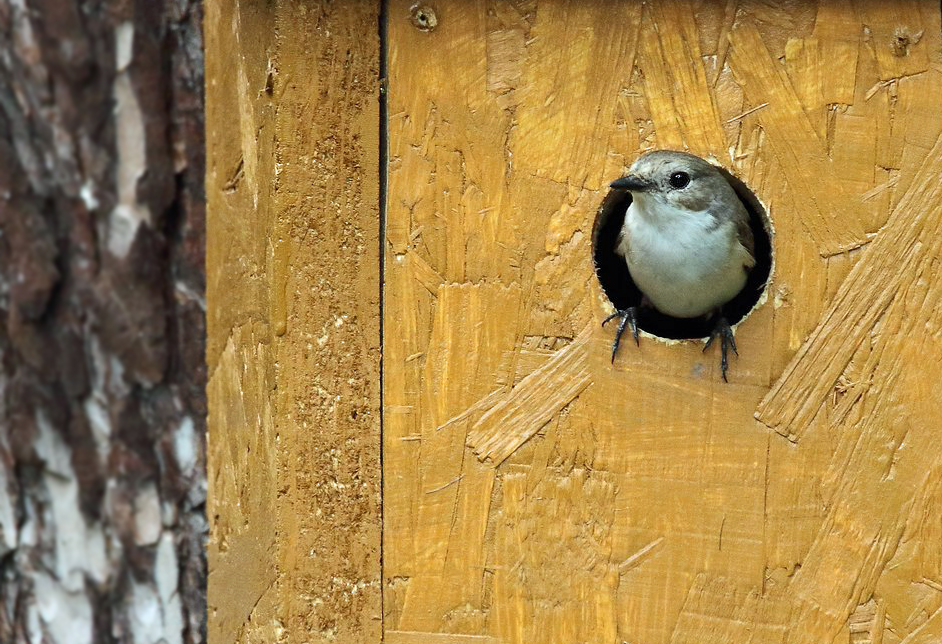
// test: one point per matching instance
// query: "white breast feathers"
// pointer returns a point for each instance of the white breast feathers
(686, 262)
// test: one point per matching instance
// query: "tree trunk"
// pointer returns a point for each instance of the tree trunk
(102, 483)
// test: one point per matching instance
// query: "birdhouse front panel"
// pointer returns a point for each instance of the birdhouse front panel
(536, 490)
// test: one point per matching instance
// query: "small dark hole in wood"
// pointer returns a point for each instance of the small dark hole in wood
(901, 43)
(621, 290)
(423, 17)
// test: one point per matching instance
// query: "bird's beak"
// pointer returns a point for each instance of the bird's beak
(633, 183)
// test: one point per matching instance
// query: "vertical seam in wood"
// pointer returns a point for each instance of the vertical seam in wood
(383, 28)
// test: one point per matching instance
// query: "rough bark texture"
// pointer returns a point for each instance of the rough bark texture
(102, 484)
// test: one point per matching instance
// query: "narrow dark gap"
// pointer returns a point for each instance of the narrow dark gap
(383, 182)
(616, 282)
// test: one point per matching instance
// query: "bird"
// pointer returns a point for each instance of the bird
(687, 242)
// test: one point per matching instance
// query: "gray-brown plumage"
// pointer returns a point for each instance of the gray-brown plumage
(686, 240)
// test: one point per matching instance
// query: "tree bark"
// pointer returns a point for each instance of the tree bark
(102, 483)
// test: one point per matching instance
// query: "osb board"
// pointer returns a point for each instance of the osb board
(293, 311)
(534, 492)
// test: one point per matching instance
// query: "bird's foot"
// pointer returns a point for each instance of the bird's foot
(628, 316)
(724, 332)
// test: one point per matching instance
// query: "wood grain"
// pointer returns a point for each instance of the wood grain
(643, 501)
(534, 401)
(831, 215)
(910, 238)
(293, 298)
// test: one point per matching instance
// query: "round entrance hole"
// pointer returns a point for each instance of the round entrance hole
(616, 282)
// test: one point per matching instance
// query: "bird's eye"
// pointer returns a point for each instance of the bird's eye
(679, 180)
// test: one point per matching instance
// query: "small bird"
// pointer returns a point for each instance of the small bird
(686, 240)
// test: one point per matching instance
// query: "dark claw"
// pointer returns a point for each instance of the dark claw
(727, 341)
(628, 316)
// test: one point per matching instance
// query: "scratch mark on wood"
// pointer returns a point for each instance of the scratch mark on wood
(877, 190)
(751, 110)
(416, 637)
(641, 556)
(444, 485)
(483, 404)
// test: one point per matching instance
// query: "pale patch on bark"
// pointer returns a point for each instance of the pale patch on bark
(129, 214)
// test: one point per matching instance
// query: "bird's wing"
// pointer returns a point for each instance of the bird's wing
(621, 243)
(746, 240)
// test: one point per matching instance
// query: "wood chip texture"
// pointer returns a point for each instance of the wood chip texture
(293, 313)
(534, 492)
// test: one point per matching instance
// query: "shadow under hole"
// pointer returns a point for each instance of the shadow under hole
(613, 275)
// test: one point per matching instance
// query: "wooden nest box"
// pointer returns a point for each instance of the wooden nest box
(416, 431)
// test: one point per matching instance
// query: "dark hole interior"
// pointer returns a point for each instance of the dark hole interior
(621, 290)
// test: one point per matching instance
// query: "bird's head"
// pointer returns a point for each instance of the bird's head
(677, 179)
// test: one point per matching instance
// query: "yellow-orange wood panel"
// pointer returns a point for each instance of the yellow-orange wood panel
(293, 312)
(534, 492)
